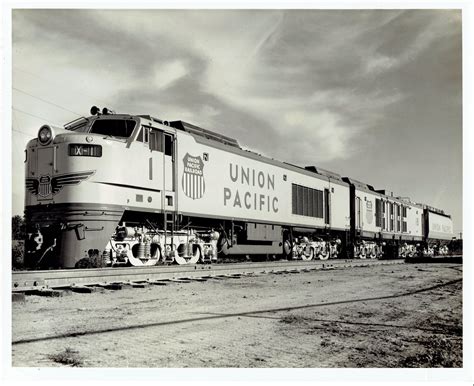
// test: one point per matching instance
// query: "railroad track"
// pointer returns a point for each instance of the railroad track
(88, 280)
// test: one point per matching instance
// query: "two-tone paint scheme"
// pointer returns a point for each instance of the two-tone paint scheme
(137, 190)
(78, 219)
(383, 225)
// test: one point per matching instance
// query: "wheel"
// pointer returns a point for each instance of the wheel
(309, 256)
(156, 252)
(323, 255)
(193, 259)
(153, 260)
(362, 253)
(196, 255)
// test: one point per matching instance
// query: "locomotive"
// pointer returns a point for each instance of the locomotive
(118, 189)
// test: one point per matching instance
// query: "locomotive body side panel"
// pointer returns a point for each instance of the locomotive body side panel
(227, 183)
(439, 226)
(401, 219)
(365, 213)
(339, 199)
(414, 220)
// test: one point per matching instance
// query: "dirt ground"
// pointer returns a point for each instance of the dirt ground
(407, 315)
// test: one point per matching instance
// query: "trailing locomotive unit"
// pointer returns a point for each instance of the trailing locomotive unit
(387, 226)
(437, 231)
(137, 190)
(383, 225)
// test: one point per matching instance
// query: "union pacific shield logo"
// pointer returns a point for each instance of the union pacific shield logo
(193, 177)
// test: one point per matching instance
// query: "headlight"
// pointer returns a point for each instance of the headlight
(45, 135)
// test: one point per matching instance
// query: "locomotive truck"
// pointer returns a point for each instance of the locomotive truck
(135, 190)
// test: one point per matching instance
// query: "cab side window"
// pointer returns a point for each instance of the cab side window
(161, 141)
(168, 144)
(143, 135)
(156, 140)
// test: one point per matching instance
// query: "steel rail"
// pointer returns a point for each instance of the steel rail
(50, 279)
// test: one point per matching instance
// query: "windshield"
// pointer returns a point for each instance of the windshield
(115, 127)
(79, 125)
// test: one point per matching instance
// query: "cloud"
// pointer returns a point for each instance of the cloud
(380, 64)
(261, 65)
(325, 129)
(167, 73)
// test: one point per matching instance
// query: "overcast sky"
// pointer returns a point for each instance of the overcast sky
(374, 95)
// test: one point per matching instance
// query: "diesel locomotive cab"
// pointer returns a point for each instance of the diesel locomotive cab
(68, 207)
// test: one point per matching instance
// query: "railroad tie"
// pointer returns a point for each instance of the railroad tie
(50, 292)
(86, 289)
(157, 282)
(111, 286)
(232, 276)
(139, 284)
(194, 278)
(180, 280)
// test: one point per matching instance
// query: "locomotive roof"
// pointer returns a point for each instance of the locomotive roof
(435, 210)
(196, 130)
(359, 185)
(324, 172)
(381, 192)
(211, 135)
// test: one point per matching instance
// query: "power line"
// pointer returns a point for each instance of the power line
(14, 120)
(49, 81)
(46, 101)
(17, 124)
(35, 116)
(23, 132)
